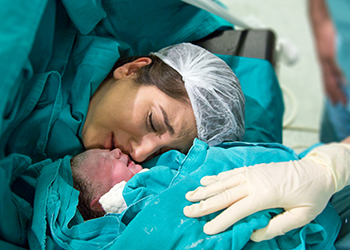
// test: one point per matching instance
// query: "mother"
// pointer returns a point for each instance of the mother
(163, 101)
(146, 106)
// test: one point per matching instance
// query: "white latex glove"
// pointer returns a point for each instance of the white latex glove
(302, 188)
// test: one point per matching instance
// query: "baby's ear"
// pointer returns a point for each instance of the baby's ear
(96, 206)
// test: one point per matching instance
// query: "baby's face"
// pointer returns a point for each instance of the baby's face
(107, 168)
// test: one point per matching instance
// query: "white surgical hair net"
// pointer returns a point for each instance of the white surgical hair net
(215, 93)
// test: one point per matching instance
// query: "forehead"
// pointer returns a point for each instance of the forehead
(87, 164)
(92, 156)
(178, 114)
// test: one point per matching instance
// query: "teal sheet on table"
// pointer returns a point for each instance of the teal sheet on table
(154, 218)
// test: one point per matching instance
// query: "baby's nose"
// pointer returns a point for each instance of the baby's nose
(117, 153)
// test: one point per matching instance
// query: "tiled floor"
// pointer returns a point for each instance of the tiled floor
(303, 94)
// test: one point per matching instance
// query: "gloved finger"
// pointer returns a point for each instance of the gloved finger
(283, 223)
(202, 193)
(208, 180)
(217, 202)
(231, 215)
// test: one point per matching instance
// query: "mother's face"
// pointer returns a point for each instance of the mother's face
(141, 120)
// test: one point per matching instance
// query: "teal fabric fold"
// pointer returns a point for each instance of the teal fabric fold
(17, 34)
(85, 14)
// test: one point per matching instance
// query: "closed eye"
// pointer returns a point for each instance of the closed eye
(150, 122)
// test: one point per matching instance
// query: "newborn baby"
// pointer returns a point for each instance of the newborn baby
(95, 173)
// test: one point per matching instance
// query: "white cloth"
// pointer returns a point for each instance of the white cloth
(113, 201)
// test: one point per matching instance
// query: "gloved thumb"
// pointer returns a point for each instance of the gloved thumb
(283, 223)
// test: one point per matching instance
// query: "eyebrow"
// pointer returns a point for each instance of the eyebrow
(166, 121)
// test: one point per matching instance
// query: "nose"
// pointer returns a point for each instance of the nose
(141, 150)
(116, 153)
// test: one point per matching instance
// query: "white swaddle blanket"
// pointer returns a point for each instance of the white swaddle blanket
(113, 201)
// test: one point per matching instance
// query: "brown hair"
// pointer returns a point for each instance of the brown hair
(84, 186)
(160, 74)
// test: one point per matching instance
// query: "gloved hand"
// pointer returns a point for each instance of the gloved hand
(302, 188)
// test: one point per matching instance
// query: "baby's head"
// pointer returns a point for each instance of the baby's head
(95, 172)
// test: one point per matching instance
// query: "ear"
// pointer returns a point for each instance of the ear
(131, 67)
(96, 206)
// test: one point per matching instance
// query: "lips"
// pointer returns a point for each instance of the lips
(130, 163)
(134, 168)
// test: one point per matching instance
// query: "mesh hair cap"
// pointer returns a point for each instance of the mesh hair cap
(214, 91)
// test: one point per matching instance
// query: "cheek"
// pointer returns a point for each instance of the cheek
(129, 125)
(121, 175)
(110, 112)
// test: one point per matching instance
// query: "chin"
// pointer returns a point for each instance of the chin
(138, 168)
